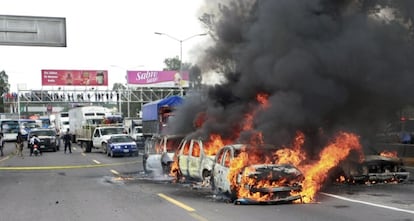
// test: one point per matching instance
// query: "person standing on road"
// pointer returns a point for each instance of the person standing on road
(19, 144)
(67, 140)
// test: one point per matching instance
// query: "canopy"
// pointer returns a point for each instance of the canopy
(150, 110)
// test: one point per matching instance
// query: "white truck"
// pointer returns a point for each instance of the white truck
(62, 122)
(85, 124)
(133, 126)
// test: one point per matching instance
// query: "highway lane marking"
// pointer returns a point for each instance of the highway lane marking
(6, 158)
(83, 154)
(176, 202)
(115, 172)
(198, 217)
(97, 162)
(65, 167)
(368, 203)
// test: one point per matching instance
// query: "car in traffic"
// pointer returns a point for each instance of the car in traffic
(49, 139)
(257, 182)
(159, 153)
(121, 145)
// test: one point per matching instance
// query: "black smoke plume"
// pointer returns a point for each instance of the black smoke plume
(327, 65)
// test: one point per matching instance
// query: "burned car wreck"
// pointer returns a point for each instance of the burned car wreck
(285, 184)
(374, 169)
(254, 182)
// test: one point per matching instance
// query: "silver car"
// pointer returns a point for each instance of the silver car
(283, 181)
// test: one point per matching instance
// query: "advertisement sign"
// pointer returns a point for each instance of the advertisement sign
(74, 78)
(158, 78)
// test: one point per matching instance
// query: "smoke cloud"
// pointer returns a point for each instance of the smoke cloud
(327, 65)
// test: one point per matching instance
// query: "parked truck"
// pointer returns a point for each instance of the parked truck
(155, 115)
(133, 126)
(87, 128)
(62, 122)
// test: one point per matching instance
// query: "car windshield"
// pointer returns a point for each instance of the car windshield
(44, 133)
(112, 130)
(30, 125)
(120, 139)
(173, 143)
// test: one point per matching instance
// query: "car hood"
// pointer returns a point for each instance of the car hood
(46, 137)
(123, 143)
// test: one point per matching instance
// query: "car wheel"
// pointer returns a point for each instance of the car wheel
(213, 185)
(206, 177)
(105, 148)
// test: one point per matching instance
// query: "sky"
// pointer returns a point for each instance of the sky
(104, 35)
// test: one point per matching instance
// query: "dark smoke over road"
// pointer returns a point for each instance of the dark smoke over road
(327, 65)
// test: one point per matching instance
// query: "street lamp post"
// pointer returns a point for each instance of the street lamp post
(181, 46)
(127, 90)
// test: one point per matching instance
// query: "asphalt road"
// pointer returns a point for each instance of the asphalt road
(79, 186)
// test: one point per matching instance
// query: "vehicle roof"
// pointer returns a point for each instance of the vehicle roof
(239, 146)
(120, 135)
(42, 129)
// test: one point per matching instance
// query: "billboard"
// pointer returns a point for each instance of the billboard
(158, 78)
(74, 78)
(32, 31)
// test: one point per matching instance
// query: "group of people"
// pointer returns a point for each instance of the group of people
(34, 140)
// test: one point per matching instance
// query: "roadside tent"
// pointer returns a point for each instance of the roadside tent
(150, 110)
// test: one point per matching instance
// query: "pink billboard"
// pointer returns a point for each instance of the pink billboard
(74, 78)
(158, 78)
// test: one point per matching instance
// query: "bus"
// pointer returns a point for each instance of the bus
(9, 128)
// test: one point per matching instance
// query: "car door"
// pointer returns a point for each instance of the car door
(218, 169)
(227, 158)
(195, 159)
(96, 138)
(184, 151)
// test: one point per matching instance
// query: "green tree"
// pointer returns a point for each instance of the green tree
(4, 88)
(118, 87)
(173, 64)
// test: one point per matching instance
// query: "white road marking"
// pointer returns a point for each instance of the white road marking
(97, 162)
(368, 203)
(114, 172)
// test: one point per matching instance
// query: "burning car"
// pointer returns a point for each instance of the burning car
(194, 160)
(255, 182)
(159, 156)
(383, 168)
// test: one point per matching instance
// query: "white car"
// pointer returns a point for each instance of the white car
(194, 161)
(283, 180)
(159, 153)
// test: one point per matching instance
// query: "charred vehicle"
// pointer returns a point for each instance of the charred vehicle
(195, 162)
(159, 155)
(374, 169)
(254, 182)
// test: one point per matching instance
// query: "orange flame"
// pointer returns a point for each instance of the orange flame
(314, 174)
(200, 119)
(263, 99)
(331, 155)
(386, 153)
(292, 155)
(213, 145)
